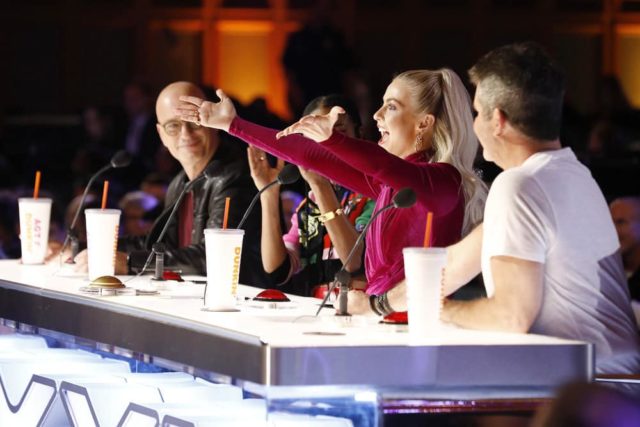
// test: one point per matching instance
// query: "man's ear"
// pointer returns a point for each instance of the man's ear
(160, 134)
(498, 121)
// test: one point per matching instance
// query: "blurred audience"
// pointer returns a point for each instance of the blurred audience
(589, 405)
(290, 201)
(141, 138)
(139, 209)
(316, 58)
(9, 241)
(91, 202)
(626, 217)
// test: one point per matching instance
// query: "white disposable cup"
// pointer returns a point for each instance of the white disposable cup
(35, 215)
(423, 270)
(224, 251)
(102, 241)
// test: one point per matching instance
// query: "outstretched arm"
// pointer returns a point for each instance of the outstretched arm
(217, 115)
(295, 149)
(342, 233)
(428, 181)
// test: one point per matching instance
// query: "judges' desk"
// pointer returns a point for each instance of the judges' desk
(285, 351)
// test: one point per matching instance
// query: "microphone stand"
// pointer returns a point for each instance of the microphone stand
(158, 247)
(121, 159)
(288, 175)
(343, 277)
(404, 198)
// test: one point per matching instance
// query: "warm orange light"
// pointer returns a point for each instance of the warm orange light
(248, 63)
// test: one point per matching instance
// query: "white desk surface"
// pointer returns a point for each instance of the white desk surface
(296, 329)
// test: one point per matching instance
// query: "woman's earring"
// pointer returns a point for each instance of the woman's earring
(418, 145)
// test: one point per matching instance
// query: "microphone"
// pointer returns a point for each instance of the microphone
(158, 247)
(288, 175)
(119, 160)
(404, 198)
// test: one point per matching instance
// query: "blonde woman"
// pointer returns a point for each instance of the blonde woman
(427, 143)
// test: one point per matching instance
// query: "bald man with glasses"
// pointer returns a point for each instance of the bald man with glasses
(195, 147)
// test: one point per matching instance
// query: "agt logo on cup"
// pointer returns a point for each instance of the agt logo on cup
(33, 231)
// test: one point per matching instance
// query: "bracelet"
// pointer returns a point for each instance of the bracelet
(328, 216)
(373, 303)
(380, 305)
(386, 309)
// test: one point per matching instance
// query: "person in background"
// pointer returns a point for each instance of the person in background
(9, 224)
(589, 405)
(141, 138)
(138, 210)
(290, 201)
(426, 144)
(316, 245)
(625, 212)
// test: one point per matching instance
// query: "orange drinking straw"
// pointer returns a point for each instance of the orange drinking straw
(226, 212)
(427, 231)
(105, 190)
(36, 186)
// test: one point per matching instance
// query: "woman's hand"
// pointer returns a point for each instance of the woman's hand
(358, 303)
(313, 178)
(316, 127)
(217, 115)
(261, 172)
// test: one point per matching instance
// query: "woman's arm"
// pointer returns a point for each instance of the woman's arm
(342, 233)
(297, 149)
(430, 181)
(272, 247)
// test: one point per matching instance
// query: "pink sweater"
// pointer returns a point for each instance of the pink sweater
(369, 169)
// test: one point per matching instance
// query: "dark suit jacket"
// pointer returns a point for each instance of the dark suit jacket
(231, 178)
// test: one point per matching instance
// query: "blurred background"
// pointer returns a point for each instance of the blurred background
(79, 77)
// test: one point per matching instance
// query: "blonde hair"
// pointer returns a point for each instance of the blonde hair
(442, 94)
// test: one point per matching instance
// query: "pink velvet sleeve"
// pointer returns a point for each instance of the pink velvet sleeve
(437, 185)
(306, 153)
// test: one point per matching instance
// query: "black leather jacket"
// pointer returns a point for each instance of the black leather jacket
(230, 178)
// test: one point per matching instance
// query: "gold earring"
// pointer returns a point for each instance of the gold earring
(418, 144)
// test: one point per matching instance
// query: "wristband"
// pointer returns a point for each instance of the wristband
(328, 216)
(373, 303)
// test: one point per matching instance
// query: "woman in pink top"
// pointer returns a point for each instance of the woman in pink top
(427, 143)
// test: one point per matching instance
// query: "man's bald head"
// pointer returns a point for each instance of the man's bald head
(170, 95)
(192, 145)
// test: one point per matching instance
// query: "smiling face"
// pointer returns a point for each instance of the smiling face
(398, 120)
(193, 146)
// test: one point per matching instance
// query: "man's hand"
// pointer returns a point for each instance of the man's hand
(317, 127)
(217, 115)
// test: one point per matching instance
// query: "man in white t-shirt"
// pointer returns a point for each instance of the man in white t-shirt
(550, 256)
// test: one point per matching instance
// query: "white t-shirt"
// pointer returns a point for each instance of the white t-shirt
(550, 210)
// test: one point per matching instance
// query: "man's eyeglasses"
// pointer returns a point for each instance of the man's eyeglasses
(173, 127)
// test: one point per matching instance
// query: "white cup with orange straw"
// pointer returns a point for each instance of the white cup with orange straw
(102, 238)
(35, 215)
(423, 267)
(224, 251)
